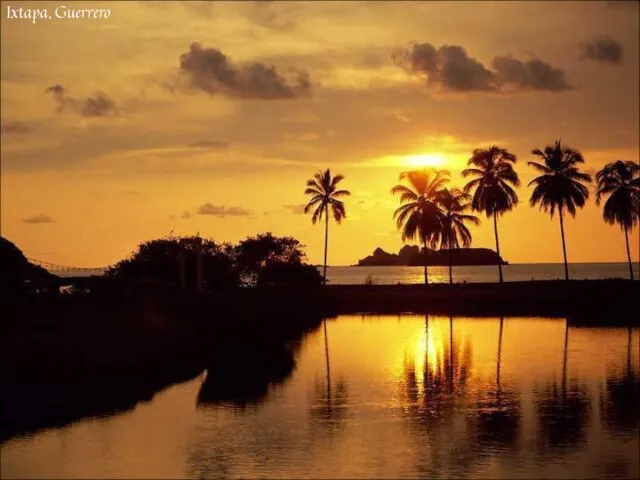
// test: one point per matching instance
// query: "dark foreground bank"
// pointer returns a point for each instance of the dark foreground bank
(589, 302)
(71, 357)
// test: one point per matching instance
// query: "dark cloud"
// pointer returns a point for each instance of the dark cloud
(623, 3)
(211, 71)
(97, 105)
(209, 144)
(602, 49)
(448, 66)
(531, 74)
(14, 127)
(186, 215)
(297, 209)
(222, 210)
(451, 68)
(39, 219)
(281, 16)
(131, 192)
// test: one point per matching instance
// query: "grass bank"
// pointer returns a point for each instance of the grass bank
(601, 302)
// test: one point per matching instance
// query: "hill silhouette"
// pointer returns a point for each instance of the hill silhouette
(411, 255)
(18, 272)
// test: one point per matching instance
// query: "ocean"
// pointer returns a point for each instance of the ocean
(477, 274)
(465, 274)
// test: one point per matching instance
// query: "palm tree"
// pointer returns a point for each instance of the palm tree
(325, 195)
(560, 186)
(621, 181)
(493, 185)
(419, 214)
(454, 232)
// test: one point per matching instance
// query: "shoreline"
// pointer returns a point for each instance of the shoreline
(581, 301)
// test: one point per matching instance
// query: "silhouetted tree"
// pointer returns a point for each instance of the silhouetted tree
(269, 260)
(494, 176)
(159, 260)
(621, 182)
(454, 233)
(419, 214)
(324, 196)
(560, 186)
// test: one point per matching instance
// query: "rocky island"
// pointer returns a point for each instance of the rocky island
(410, 255)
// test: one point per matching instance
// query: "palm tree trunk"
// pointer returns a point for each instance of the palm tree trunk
(495, 230)
(626, 239)
(426, 272)
(326, 242)
(450, 267)
(564, 247)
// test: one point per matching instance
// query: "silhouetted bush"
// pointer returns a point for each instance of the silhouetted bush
(159, 260)
(290, 274)
(269, 260)
(261, 260)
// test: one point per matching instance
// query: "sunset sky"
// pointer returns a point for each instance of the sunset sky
(209, 117)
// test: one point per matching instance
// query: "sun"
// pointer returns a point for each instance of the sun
(425, 160)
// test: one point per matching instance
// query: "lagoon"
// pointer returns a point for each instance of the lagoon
(408, 396)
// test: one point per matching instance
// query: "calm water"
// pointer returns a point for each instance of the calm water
(512, 273)
(463, 398)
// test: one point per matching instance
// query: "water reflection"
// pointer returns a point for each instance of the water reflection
(563, 409)
(435, 396)
(386, 397)
(620, 401)
(496, 424)
(245, 378)
(328, 409)
(431, 392)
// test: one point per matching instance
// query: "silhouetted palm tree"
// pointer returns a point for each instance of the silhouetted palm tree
(621, 182)
(419, 215)
(325, 196)
(454, 232)
(560, 186)
(494, 177)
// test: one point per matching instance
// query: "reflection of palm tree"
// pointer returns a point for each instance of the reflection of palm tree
(621, 182)
(620, 403)
(325, 195)
(420, 216)
(563, 412)
(493, 185)
(498, 418)
(332, 401)
(431, 410)
(326, 354)
(561, 185)
(436, 399)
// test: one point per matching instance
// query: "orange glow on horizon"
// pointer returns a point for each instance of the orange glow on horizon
(425, 160)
